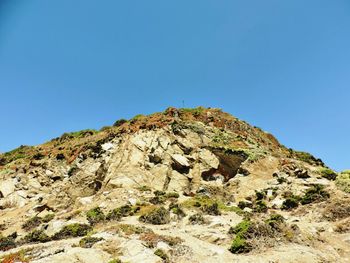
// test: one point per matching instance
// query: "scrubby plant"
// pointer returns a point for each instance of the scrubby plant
(7, 243)
(212, 209)
(14, 257)
(88, 242)
(328, 174)
(95, 215)
(32, 223)
(172, 195)
(72, 230)
(177, 210)
(161, 253)
(37, 236)
(48, 218)
(122, 211)
(316, 193)
(260, 207)
(119, 122)
(144, 188)
(197, 219)
(116, 260)
(343, 181)
(260, 195)
(290, 203)
(239, 243)
(275, 221)
(156, 216)
(244, 204)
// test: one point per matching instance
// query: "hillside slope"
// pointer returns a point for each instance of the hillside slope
(184, 185)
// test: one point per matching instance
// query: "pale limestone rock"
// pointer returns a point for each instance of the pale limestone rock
(178, 182)
(135, 252)
(7, 187)
(107, 146)
(181, 160)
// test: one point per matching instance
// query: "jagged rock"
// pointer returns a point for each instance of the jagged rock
(7, 187)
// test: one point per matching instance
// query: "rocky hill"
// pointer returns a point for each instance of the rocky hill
(184, 185)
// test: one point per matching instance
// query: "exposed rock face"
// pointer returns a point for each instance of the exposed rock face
(200, 166)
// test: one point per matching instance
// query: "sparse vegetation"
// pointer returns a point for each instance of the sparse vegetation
(156, 216)
(7, 243)
(15, 257)
(290, 202)
(37, 236)
(122, 211)
(328, 174)
(32, 223)
(197, 219)
(160, 253)
(88, 242)
(343, 181)
(316, 193)
(72, 230)
(95, 215)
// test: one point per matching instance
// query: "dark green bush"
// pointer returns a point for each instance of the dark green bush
(197, 219)
(156, 216)
(260, 207)
(119, 122)
(37, 236)
(72, 230)
(32, 223)
(212, 209)
(160, 253)
(328, 174)
(95, 215)
(7, 243)
(315, 194)
(290, 203)
(122, 211)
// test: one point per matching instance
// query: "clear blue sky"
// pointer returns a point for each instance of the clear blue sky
(281, 65)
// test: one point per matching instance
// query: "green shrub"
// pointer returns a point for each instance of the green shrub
(144, 188)
(306, 157)
(32, 223)
(72, 230)
(95, 215)
(37, 236)
(239, 245)
(156, 216)
(48, 218)
(315, 194)
(275, 221)
(88, 242)
(122, 211)
(119, 122)
(212, 209)
(244, 204)
(290, 203)
(343, 181)
(177, 210)
(241, 228)
(260, 195)
(7, 243)
(115, 261)
(328, 174)
(160, 253)
(172, 195)
(197, 219)
(260, 207)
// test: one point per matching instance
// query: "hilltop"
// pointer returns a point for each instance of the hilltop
(183, 185)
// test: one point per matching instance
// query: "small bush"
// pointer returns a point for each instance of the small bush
(212, 209)
(239, 245)
(7, 243)
(156, 216)
(160, 253)
(275, 221)
(72, 230)
(343, 181)
(315, 194)
(116, 260)
(14, 257)
(328, 174)
(290, 203)
(123, 211)
(48, 218)
(197, 219)
(37, 236)
(244, 204)
(88, 242)
(260, 207)
(32, 223)
(177, 210)
(172, 195)
(95, 215)
(144, 188)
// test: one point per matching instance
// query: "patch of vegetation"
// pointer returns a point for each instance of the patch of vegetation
(177, 210)
(197, 219)
(72, 230)
(37, 236)
(116, 260)
(119, 122)
(212, 209)
(151, 239)
(32, 223)
(95, 215)
(15, 257)
(328, 174)
(194, 111)
(172, 195)
(16, 154)
(275, 221)
(239, 243)
(48, 218)
(122, 211)
(156, 216)
(290, 202)
(316, 193)
(78, 134)
(160, 253)
(132, 229)
(343, 181)
(7, 243)
(306, 157)
(260, 207)
(144, 188)
(88, 242)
